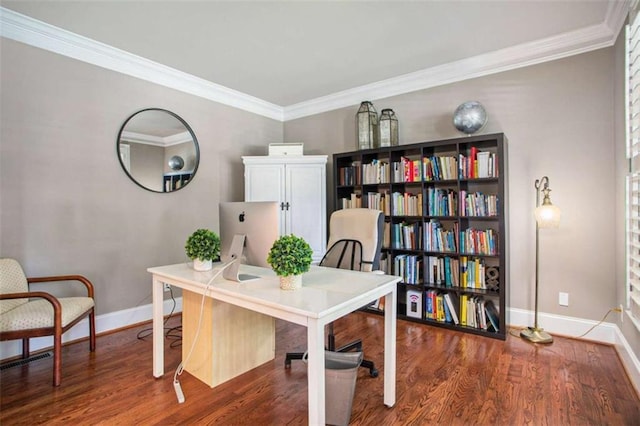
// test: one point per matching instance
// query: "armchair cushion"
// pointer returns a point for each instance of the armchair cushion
(39, 313)
(12, 280)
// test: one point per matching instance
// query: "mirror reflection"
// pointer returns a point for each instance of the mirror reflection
(158, 150)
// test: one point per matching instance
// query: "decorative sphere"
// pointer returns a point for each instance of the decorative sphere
(469, 117)
(176, 162)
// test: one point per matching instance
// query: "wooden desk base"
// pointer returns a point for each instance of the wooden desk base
(232, 340)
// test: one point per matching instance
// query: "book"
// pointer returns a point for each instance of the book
(463, 309)
(449, 299)
(407, 169)
(429, 305)
(471, 312)
(447, 312)
(483, 158)
(482, 317)
(440, 316)
(492, 315)
(473, 165)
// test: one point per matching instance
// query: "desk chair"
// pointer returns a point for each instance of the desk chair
(25, 314)
(355, 241)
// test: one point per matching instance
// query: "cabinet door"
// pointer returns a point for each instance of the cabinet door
(265, 182)
(306, 195)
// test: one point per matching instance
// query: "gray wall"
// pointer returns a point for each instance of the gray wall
(67, 206)
(559, 120)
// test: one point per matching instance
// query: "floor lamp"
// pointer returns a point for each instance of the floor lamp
(547, 216)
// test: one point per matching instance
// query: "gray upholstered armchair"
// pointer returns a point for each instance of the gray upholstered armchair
(25, 314)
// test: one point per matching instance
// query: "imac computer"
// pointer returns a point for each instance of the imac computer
(247, 232)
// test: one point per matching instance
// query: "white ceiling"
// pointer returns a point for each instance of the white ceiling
(298, 53)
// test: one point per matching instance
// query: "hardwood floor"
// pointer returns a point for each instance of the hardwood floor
(444, 377)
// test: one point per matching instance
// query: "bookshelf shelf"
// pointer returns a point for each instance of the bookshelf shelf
(445, 226)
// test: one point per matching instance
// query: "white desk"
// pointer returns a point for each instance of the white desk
(327, 294)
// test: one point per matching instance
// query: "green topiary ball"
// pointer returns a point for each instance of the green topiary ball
(290, 255)
(203, 244)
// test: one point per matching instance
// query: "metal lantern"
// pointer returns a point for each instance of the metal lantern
(388, 128)
(367, 126)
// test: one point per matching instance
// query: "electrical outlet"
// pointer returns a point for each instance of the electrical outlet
(563, 299)
(167, 287)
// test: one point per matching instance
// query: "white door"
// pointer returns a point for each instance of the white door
(265, 182)
(305, 193)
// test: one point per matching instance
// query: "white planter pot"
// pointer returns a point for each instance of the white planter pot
(291, 282)
(202, 265)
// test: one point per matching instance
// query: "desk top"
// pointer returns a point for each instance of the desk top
(325, 292)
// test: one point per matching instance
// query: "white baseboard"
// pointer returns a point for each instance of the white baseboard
(574, 327)
(629, 360)
(564, 325)
(104, 323)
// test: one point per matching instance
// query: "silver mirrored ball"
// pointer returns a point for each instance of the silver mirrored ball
(176, 162)
(469, 117)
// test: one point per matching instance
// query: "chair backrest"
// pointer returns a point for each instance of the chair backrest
(355, 239)
(12, 280)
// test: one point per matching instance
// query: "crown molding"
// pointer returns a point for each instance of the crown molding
(523, 55)
(36, 33)
(164, 142)
(24, 29)
(617, 14)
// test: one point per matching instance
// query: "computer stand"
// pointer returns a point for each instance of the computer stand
(232, 273)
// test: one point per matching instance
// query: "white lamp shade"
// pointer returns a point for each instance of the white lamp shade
(547, 216)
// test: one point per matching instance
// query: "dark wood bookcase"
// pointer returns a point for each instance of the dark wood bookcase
(445, 206)
(175, 180)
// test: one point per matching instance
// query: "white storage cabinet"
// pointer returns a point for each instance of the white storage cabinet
(298, 184)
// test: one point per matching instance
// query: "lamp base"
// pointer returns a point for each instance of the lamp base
(536, 335)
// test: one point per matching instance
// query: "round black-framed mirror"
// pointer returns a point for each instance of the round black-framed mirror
(158, 150)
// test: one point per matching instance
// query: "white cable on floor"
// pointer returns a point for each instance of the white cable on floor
(180, 369)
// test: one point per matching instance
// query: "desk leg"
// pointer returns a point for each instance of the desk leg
(158, 328)
(390, 349)
(315, 372)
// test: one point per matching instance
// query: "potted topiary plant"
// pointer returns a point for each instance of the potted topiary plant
(203, 247)
(290, 256)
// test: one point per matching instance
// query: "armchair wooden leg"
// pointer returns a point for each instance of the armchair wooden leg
(25, 348)
(57, 358)
(92, 331)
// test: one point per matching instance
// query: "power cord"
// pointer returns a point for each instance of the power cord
(616, 309)
(180, 369)
(171, 333)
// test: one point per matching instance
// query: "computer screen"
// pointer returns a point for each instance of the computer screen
(258, 221)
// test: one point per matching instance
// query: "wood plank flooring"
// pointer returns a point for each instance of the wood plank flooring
(444, 378)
